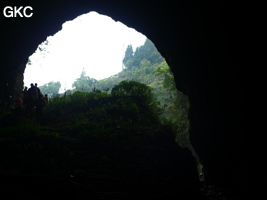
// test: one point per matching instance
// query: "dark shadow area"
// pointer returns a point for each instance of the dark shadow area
(95, 145)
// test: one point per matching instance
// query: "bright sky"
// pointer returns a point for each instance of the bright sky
(91, 41)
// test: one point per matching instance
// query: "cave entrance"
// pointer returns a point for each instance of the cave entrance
(91, 43)
(94, 48)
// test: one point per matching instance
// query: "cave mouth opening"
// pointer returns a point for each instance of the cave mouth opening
(82, 48)
(91, 43)
(41, 48)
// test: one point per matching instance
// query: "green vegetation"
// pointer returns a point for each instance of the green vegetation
(27, 147)
(145, 67)
(127, 119)
(148, 67)
(84, 83)
(128, 101)
(51, 88)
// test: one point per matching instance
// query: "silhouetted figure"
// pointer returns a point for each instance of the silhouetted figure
(32, 90)
(40, 104)
(24, 95)
(29, 105)
(38, 91)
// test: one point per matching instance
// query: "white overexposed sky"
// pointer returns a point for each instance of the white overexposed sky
(92, 41)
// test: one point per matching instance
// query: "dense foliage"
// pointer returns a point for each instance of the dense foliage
(148, 67)
(84, 83)
(129, 100)
(51, 88)
(134, 89)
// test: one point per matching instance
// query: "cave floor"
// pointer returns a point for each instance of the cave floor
(110, 172)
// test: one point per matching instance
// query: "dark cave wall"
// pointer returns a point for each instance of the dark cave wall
(199, 42)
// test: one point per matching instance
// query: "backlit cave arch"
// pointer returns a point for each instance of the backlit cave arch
(197, 40)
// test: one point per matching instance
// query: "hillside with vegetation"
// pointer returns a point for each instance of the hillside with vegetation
(147, 66)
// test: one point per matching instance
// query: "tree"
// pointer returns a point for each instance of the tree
(128, 56)
(51, 88)
(143, 95)
(164, 72)
(134, 89)
(177, 105)
(146, 52)
(84, 83)
(83, 74)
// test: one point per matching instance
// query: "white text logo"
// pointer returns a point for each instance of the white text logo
(18, 12)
